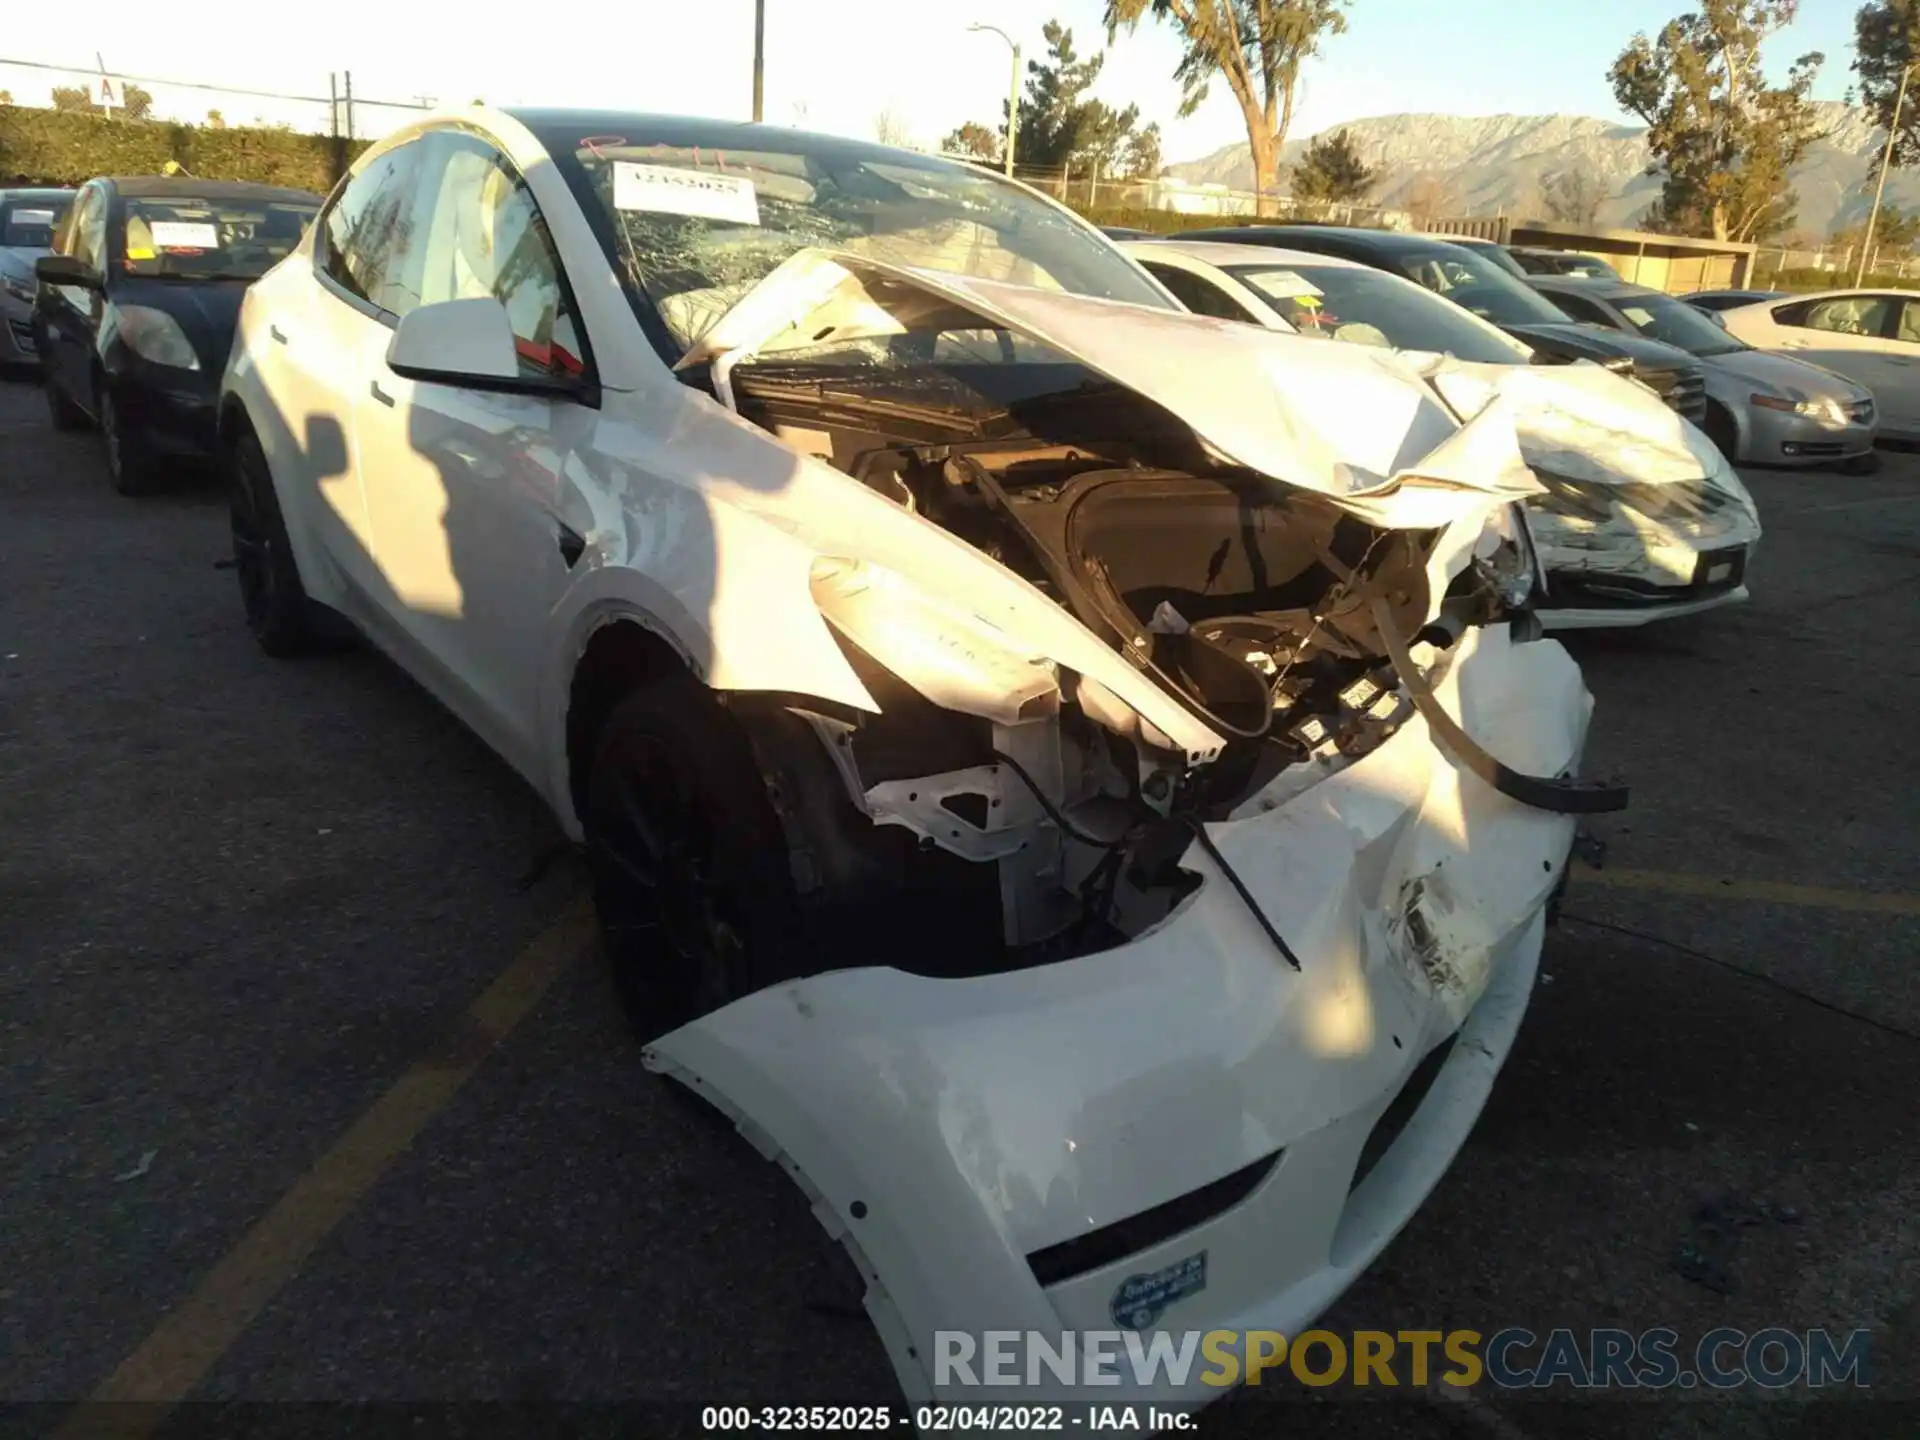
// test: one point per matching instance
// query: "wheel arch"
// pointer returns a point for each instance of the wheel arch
(1720, 415)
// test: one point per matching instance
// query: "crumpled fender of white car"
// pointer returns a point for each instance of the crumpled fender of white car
(971, 1141)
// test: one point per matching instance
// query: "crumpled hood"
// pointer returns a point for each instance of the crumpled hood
(1345, 422)
(1783, 375)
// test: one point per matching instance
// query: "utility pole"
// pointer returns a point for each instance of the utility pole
(1886, 159)
(1013, 91)
(759, 60)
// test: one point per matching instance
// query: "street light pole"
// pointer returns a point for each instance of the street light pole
(759, 60)
(1013, 91)
(1886, 159)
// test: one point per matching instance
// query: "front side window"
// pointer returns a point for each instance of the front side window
(29, 224)
(86, 237)
(1198, 294)
(691, 228)
(1674, 322)
(189, 237)
(484, 238)
(367, 239)
(1369, 307)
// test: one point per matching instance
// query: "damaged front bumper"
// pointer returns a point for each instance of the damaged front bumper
(1029, 1150)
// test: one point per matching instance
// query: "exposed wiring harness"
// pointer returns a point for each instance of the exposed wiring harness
(1109, 867)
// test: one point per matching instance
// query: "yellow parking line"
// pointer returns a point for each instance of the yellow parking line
(174, 1359)
(1769, 892)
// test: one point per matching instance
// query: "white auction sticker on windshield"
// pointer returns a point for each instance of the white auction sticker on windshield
(1284, 285)
(185, 235)
(33, 217)
(663, 190)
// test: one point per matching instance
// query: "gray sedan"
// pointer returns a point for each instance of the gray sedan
(27, 221)
(1762, 408)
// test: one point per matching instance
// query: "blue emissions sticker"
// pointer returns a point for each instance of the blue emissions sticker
(1141, 1299)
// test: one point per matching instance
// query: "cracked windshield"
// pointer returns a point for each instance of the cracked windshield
(694, 230)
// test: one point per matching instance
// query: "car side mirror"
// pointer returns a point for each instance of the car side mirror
(65, 270)
(456, 342)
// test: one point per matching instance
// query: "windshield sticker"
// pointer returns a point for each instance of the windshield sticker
(185, 235)
(663, 190)
(1284, 285)
(32, 217)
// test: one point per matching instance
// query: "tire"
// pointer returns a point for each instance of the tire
(692, 880)
(1867, 464)
(277, 609)
(1720, 429)
(133, 468)
(63, 412)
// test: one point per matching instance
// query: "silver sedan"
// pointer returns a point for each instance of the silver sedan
(1762, 408)
(27, 221)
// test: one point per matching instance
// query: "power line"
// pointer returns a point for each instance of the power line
(203, 85)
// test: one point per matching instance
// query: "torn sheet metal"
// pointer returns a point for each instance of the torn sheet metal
(947, 1130)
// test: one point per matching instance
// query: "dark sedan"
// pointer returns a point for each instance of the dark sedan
(1472, 280)
(135, 309)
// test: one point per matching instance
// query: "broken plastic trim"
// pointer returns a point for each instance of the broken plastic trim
(1540, 792)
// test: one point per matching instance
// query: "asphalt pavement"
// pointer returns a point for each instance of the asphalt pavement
(267, 1132)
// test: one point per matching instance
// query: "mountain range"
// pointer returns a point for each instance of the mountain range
(1487, 164)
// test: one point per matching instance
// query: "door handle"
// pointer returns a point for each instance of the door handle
(379, 394)
(274, 331)
(572, 544)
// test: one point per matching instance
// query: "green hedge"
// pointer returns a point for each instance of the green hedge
(57, 147)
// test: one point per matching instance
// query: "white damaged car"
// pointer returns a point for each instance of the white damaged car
(1067, 776)
(1642, 518)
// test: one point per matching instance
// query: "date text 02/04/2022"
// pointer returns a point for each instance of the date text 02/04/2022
(992, 1419)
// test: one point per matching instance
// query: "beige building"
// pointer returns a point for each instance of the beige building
(1673, 263)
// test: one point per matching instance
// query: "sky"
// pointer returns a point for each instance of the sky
(837, 65)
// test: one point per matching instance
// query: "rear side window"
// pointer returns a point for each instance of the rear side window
(368, 239)
(481, 235)
(1201, 296)
(1843, 315)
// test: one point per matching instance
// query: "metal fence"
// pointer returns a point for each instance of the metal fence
(1842, 261)
(338, 111)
